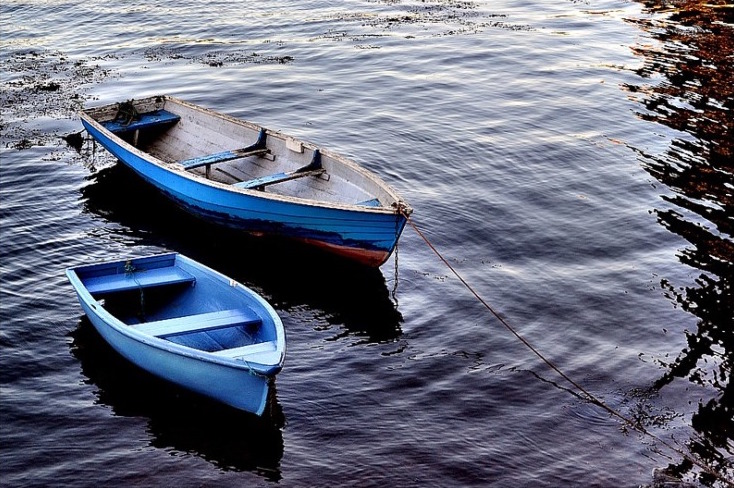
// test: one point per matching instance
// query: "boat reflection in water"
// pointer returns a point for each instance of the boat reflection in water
(178, 419)
(695, 95)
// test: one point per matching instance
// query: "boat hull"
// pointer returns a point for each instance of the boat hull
(357, 233)
(234, 387)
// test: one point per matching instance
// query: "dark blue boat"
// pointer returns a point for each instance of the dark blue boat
(187, 324)
(241, 175)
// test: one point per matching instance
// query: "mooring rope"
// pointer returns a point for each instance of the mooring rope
(589, 396)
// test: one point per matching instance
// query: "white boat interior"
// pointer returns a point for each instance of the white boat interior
(222, 149)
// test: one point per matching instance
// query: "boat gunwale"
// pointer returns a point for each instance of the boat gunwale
(159, 343)
(398, 207)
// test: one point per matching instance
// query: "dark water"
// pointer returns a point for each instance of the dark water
(573, 161)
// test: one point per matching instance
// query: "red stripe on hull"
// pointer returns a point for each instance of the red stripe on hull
(367, 257)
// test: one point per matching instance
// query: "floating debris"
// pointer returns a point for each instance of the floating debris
(75, 140)
(42, 84)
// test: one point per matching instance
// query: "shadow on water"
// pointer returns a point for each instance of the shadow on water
(178, 419)
(695, 95)
(289, 274)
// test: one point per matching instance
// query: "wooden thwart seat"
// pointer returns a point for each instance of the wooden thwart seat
(138, 279)
(199, 322)
(144, 121)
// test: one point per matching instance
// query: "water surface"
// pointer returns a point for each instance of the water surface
(572, 161)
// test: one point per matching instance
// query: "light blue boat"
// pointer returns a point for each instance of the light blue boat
(241, 175)
(187, 324)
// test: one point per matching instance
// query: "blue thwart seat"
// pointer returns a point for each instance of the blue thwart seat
(200, 322)
(311, 169)
(138, 279)
(264, 181)
(144, 121)
(257, 149)
(221, 157)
